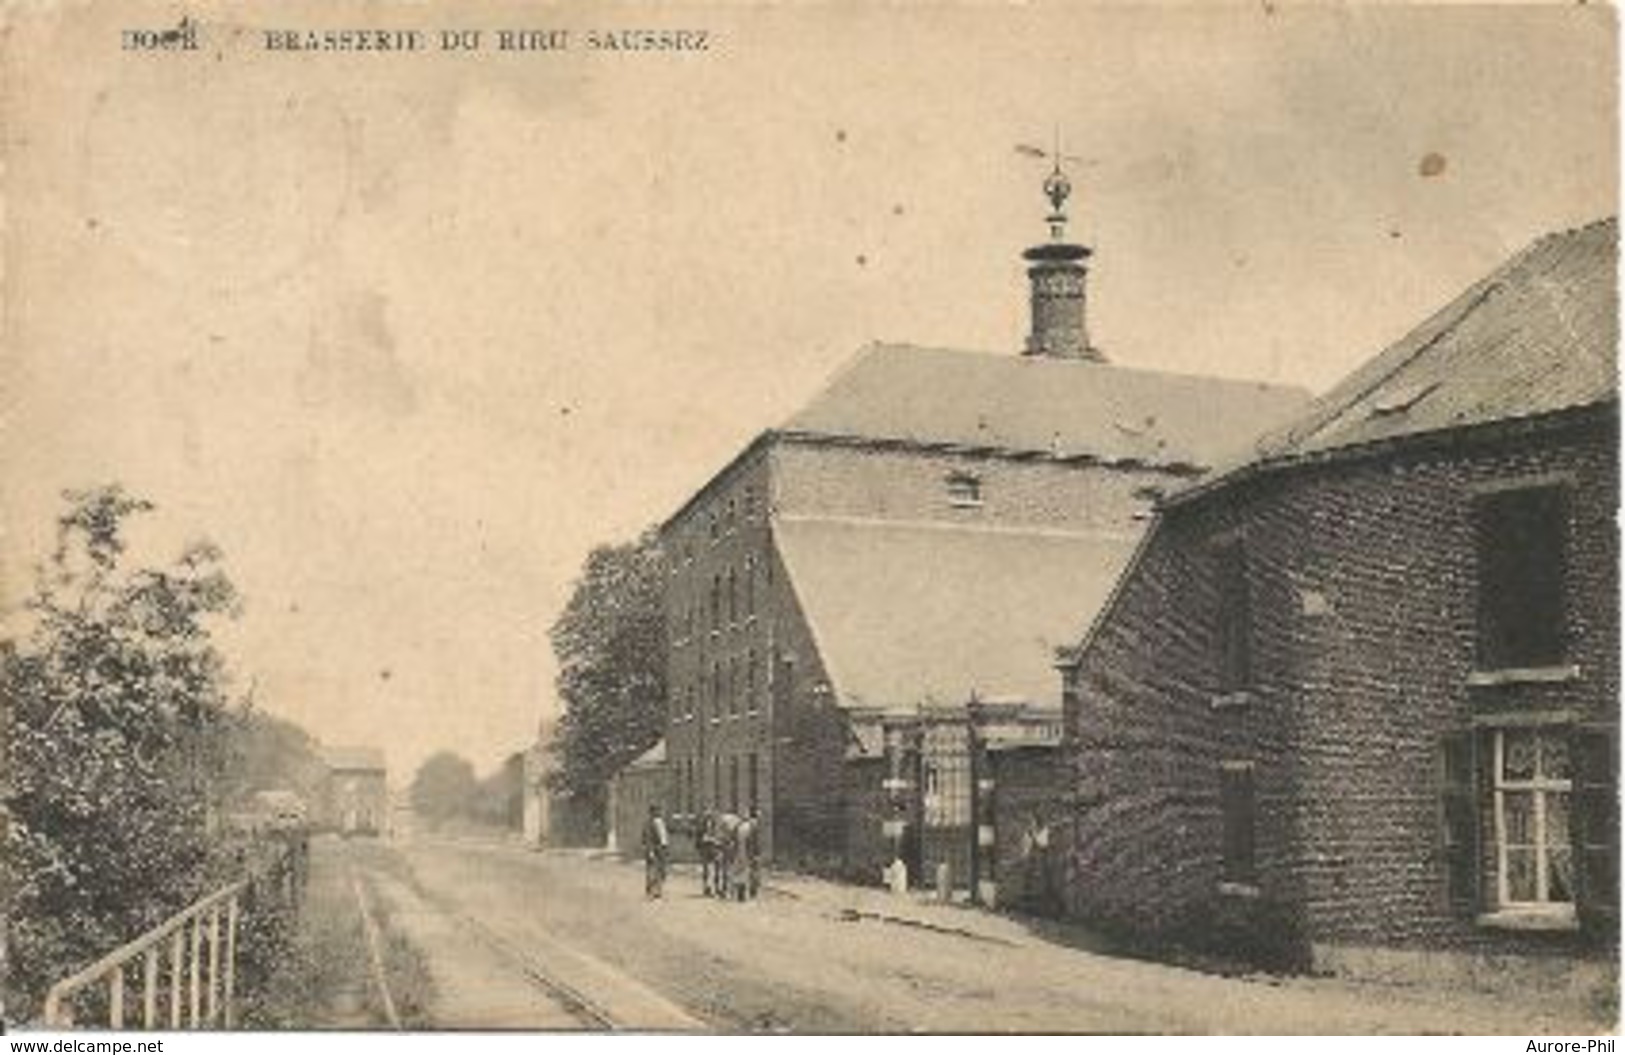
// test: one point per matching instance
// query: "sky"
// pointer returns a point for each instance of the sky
(407, 334)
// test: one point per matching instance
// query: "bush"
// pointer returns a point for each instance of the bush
(117, 725)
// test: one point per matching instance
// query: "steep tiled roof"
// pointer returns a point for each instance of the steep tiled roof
(1538, 335)
(353, 758)
(1031, 404)
(910, 613)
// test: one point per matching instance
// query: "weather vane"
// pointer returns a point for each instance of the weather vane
(1057, 188)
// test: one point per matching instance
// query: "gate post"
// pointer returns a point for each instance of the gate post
(900, 787)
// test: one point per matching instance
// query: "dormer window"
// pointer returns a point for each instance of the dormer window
(964, 490)
(1402, 399)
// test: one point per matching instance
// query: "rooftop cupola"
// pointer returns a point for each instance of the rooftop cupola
(1058, 273)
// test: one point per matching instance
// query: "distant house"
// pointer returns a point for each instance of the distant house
(921, 535)
(642, 783)
(355, 795)
(1356, 701)
(549, 816)
(536, 809)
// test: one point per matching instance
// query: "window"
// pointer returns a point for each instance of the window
(733, 783)
(716, 781)
(1531, 825)
(1235, 619)
(964, 490)
(1521, 536)
(750, 586)
(1535, 852)
(755, 777)
(750, 501)
(716, 600)
(750, 681)
(733, 598)
(713, 525)
(733, 685)
(1236, 803)
(784, 672)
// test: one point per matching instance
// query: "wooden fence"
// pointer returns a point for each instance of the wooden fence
(182, 973)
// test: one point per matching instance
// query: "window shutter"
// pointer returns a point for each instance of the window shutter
(1594, 824)
(1458, 809)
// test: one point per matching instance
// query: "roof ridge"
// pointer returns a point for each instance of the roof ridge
(1043, 362)
(948, 526)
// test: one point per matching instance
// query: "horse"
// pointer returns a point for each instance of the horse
(728, 848)
(744, 862)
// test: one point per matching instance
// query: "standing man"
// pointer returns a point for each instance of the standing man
(656, 847)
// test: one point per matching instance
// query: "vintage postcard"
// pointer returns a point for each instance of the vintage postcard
(817, 518)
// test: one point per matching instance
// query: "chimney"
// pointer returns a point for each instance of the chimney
(1057, 273)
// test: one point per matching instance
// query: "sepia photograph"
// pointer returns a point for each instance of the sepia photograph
(806, 519)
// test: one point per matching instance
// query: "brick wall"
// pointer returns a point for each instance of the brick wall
(1363, 595)
(1031, 828)
(912, 485)
(719, 718)
(866, 807)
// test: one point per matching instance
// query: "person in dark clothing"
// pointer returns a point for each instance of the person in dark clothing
(656, 850)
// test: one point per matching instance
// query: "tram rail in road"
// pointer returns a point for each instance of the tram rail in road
(599, 996)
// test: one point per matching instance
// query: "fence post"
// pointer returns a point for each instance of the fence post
(149, 987)
(214, 965)
(196, 993)
(231, 962)
(177, 956)
(115, 997)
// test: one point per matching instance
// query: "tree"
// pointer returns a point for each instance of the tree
(117, 733)
(444, 787)
(611, 647)
(499, 798)
(270, 753)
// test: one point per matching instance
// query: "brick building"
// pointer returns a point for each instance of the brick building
(1355, 703)
(925, 532)
(355, 796)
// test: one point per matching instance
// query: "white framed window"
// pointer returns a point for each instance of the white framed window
(1533, 786)
(964, 490)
